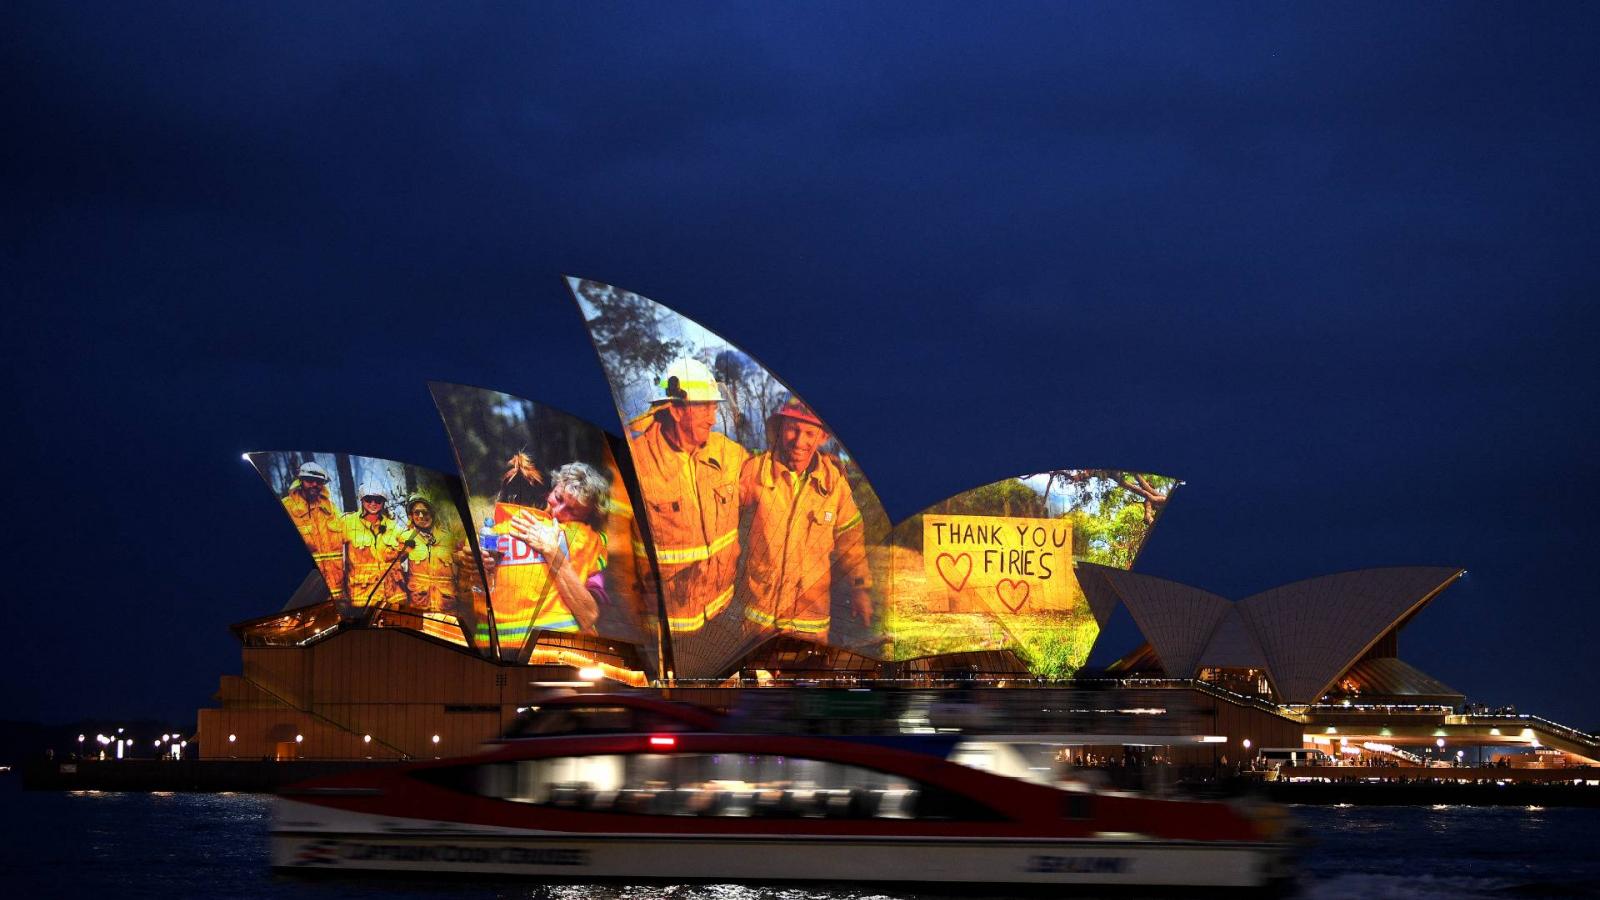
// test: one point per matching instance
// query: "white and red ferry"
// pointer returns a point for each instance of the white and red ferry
(622, 787)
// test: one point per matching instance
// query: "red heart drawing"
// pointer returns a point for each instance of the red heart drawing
(1005, 589)
(947, 564)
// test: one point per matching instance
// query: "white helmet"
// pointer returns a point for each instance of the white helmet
(690, 380)
(312, 470)
(371, 489)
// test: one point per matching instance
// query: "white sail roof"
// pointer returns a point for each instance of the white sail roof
(1177, 619)
(1312, 630)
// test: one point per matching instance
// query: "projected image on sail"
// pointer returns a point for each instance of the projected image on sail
(760, 517)
(993, 568)
(554, 522)
(387, 537)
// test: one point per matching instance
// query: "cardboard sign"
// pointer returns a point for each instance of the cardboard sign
(1006, 566)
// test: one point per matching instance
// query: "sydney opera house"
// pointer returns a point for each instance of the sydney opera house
(727, 548)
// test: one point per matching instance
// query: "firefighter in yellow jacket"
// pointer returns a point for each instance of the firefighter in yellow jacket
(689, 481)
(431, 558)
(545, 557)
(312, 510)
(372, 552)
(802, 532)
(440, 574)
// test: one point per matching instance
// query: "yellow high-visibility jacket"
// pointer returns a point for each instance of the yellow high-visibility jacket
(318, 524)
(692, 503)
(430, 565)
(369, 549)
(523, 593)
(802, 537)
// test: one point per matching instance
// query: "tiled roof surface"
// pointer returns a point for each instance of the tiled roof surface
(1313, 630)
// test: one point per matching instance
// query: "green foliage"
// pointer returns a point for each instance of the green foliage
(926, 634)
(1108, 538)
(1125, 534)
(1111, 512)
(1058, 650)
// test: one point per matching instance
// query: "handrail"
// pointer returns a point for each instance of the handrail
(1007, 682)
(1557, 728)
(324, 719)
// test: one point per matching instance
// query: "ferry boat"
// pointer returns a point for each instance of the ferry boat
(631, 787)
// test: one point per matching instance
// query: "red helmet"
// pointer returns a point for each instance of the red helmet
(794, 408)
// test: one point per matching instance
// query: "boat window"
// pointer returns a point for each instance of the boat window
(649, 722)
(723, 784)
(576, 720)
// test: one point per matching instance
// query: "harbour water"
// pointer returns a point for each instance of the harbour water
(128, 845)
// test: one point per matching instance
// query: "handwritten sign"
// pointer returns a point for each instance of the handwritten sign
(1002, 565)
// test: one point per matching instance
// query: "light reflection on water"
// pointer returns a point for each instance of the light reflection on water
(205, 845)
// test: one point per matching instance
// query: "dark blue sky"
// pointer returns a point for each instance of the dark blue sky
(1332, 264)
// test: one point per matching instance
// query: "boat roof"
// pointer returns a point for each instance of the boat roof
(684, 716)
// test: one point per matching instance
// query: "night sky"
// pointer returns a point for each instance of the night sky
(1334, 265)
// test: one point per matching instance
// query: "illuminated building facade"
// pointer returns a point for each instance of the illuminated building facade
(728, 538)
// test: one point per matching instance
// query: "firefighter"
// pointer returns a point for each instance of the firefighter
(430, 564)
(689, 481)
(802, 532)
(441, 576)
(372, 552)
(309, 505)
(545, 555)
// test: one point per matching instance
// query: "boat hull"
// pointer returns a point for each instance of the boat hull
(451, 848)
